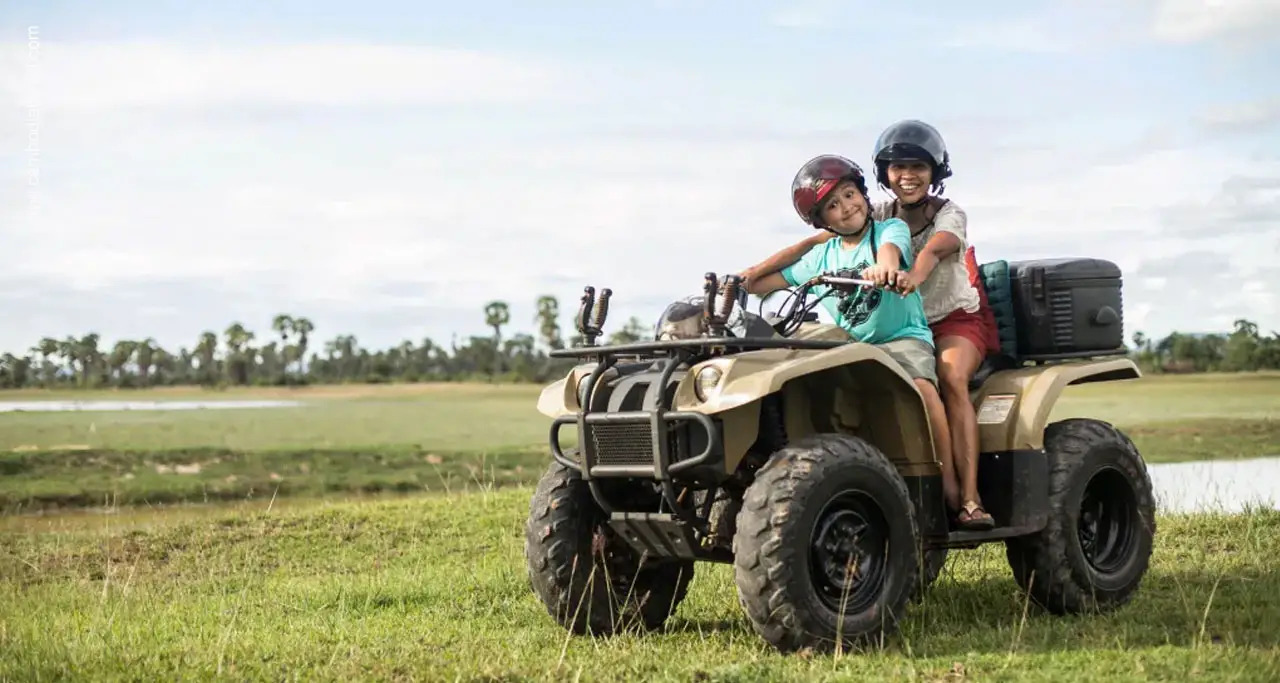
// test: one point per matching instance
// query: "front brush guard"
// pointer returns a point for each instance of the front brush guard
(660, 421)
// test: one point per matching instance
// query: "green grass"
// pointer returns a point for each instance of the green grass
(435, 588)
(396, 439)
(39, 481)
(476, 417)
(444, 417)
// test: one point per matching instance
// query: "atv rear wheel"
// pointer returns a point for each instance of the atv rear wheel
(1095, 549)
(826, 545)
(589, 579)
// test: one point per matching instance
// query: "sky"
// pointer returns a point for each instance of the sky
(387, 168)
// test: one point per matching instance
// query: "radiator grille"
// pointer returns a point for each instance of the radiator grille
(628, 443)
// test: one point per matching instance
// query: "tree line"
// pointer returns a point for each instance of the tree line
(287, 355)
(240, 357)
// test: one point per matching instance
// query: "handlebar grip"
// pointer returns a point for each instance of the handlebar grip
(729, 296)
(601, 308)
(709, 298)
(584, 310)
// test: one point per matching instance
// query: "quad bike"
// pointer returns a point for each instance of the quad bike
(805, 459)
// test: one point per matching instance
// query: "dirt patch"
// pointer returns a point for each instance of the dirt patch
(192, 468)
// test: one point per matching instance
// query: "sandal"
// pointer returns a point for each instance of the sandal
(973, 517)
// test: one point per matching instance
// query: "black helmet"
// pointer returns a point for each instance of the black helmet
(912, 140)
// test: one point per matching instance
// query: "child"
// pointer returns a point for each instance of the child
(830, 193)
(911, 159)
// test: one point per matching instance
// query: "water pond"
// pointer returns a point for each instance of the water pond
(1216, 485)
(103, 406)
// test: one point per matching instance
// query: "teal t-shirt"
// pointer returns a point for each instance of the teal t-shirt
(875, 316)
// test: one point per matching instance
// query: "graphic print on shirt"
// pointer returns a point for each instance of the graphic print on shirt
(858, 306)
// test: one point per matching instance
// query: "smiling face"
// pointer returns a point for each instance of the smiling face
(844, 209)
(910, 180)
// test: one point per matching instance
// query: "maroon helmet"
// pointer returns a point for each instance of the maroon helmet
(814, 181)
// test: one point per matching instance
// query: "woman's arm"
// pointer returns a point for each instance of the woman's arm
(782, 258)
(948, 238)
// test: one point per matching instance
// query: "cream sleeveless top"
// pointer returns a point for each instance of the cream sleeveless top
(947, 287)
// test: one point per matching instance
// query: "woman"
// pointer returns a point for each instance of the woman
(911, 160)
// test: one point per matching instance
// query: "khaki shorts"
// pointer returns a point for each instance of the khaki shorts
(915, 356)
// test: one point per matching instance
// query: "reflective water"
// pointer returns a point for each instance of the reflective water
(62, 406)
(1217, 486)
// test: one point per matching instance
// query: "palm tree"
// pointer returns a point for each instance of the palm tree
(119, 358)
(205, 350)
(497, 314)
(238, 339)
(90, 359)
(302, 327)
(547, 318)
(145, 349)
(69, 349)
(47, 347)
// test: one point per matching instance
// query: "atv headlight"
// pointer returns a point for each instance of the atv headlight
(706, 380)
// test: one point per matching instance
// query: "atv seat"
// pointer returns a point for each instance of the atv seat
(992, 363)
(994, 277)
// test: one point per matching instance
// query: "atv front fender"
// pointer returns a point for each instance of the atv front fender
(557, 399)
(853, 388)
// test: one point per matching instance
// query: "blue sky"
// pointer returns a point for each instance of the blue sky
(386, 168)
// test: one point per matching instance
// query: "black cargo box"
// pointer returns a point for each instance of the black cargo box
(1067, 307)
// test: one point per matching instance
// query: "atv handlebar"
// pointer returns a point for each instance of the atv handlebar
(841, 281)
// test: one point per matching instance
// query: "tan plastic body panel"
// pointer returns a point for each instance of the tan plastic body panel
(1014, 405)
(854, 388)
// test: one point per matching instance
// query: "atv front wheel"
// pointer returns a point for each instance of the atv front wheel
(1097, 544)
(591, 580)
(826, 545)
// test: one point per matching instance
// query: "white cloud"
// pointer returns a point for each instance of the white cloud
(347, 221)
(1026, 34)
(105, 75)
(645, 216)
(809, 13)
(1245, 116)
(1190, 21)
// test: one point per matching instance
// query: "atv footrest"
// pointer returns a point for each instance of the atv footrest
(659, 534)
(972, 539)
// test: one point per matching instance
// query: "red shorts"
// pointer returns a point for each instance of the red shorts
(978, 327)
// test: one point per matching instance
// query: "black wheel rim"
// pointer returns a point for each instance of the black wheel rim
(847, 552)
(1108, 514)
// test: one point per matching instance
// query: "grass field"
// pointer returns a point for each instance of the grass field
(434, 588)
(402, 438)
(298, 573)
